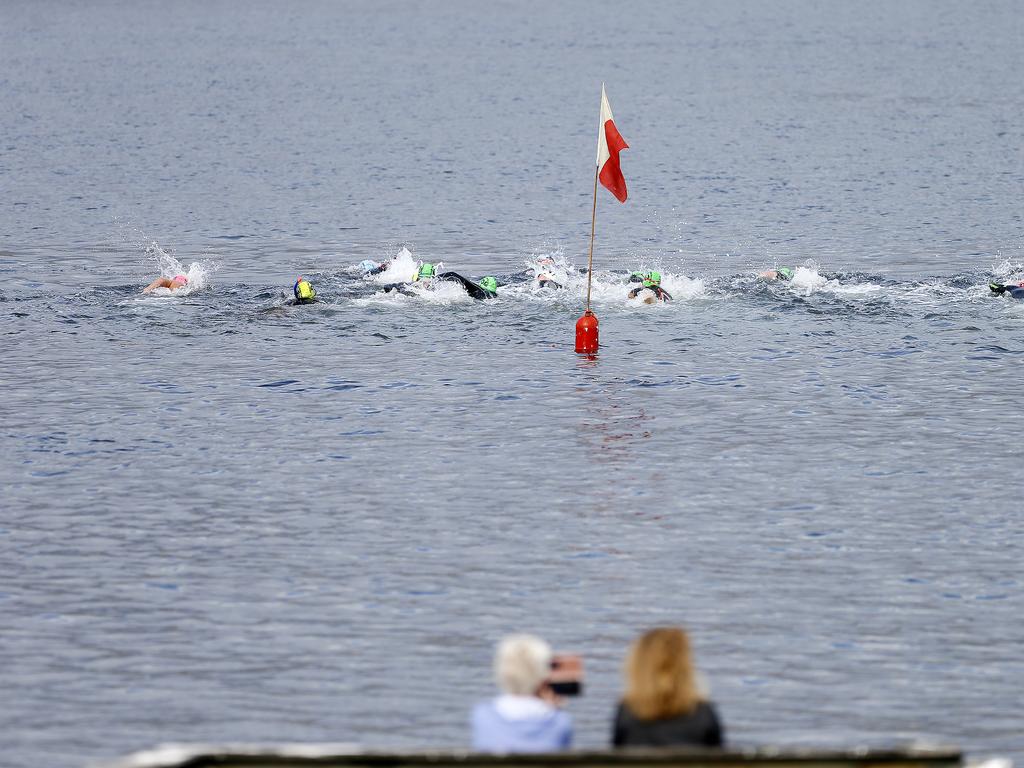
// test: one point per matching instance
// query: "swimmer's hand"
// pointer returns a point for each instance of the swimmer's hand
(545, 693)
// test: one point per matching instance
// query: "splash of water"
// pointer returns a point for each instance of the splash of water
(198, 273)
(401, 269)
(807, 280)
(1009, 271)
(610, 288)
(441, 292)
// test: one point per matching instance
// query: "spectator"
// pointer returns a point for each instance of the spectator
(663, 704)
(525, 717)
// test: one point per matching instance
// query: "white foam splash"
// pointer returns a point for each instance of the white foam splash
(1009, 271)
(198, 273)
(610, 288)
(552, 266)
(806, 280)
(441, 292)
(683, 287)
(387, 299)
(402, 269)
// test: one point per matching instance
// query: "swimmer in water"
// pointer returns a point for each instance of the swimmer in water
(373, 268)
(1016, 291)
(304, 293)
(782, 273)
(489, 284)
(487, 288)
(424, 275)
(544, 279)
(652, 282)
(170, 283)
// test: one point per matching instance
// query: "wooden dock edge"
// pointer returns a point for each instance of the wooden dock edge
(352, 756)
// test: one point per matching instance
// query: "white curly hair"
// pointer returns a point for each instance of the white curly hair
(521, 664)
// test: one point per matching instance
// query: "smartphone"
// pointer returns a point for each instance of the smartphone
(566, 677)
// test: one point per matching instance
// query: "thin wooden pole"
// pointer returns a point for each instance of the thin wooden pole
(593, 220)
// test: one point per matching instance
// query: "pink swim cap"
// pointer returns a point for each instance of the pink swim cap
(180, 279)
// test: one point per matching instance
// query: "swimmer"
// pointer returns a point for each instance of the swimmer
(487, 288)
(170, 283)
(652, 282)
(1016, 291)
(304, 293)
(782, 273)
(423, 275)
(489, 284)
(371, 267)
(544, 279)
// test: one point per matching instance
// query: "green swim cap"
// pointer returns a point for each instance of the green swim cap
(652, 278)
(489, 283)
(426, 270)
(785, 273)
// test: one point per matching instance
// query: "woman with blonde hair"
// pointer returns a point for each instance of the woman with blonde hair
(663, 704)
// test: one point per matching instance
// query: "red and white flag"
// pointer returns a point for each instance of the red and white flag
(609, 144)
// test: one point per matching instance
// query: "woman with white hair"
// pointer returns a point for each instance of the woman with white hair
(525, 717)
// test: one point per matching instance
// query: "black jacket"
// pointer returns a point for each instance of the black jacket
(699, 728)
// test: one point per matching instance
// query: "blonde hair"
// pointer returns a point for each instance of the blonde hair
(521, 664)
(660, 679)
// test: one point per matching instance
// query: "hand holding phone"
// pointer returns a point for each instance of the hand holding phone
(566, 678)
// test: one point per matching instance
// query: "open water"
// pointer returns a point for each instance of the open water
(228, 519)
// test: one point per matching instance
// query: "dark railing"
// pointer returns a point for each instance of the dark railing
(348, 756)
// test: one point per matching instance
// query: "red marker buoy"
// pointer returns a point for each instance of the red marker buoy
(586, 333)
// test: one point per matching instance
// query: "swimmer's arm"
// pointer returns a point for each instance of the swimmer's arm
(160, 282)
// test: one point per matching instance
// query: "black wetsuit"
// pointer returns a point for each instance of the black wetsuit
(475, 290)
(660, 292)
(547, 282)
(379, 268)
(1016, 291)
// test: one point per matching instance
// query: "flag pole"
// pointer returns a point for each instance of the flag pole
(586, 327)
(593, 220)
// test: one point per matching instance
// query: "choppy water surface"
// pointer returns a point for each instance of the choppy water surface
(228, 519)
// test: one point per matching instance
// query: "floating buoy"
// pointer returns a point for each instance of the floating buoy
(586, 333)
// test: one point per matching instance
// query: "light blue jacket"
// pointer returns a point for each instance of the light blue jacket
(548, 730)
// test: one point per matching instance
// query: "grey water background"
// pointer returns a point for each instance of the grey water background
(226, 520)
